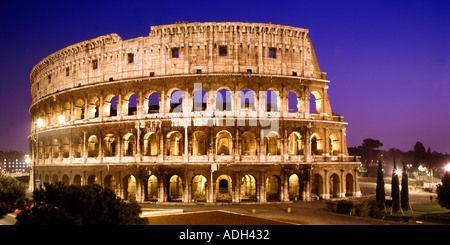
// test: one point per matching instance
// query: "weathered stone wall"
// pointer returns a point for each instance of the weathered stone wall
(85, 128)
(247, 44)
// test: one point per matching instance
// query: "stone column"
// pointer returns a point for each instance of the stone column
(285, 186)
(261, 187)
(236, 193)
(342, 184)
(326, 185)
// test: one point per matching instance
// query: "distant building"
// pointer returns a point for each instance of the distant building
(13, 162)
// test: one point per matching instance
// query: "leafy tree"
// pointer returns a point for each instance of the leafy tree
(78, 205)
(366, 149)
(380, 192)
(395, 191)
(11, 190)
(420, 154)
(443, 191)
(404, 195)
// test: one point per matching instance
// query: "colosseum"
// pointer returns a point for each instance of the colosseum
(193, 112)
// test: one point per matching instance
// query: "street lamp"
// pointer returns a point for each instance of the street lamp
(38, 124)
(398, 172)
(447, 167)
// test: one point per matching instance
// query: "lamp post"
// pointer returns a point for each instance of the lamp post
(447, 167)
(39, 123)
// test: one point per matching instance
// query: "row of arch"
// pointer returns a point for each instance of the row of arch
(199, 143)
(177, 101)
(174, 188)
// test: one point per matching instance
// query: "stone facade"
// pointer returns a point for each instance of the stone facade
(193, 112)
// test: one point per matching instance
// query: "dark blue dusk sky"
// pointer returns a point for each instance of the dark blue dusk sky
(388, 61)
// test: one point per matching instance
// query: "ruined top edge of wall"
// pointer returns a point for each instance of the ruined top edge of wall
(47, 65)
(76, 48)
(239, 27)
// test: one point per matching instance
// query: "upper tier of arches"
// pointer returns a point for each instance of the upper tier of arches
(184, 48)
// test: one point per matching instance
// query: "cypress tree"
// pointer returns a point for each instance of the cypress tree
(380, 193)
(395, 191)
(404, 194)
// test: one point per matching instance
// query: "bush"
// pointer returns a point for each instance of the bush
(367, 208)
(443, 191)
(341, 207)
(57, 204)
(11, 190)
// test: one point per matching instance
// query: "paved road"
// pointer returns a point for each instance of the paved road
(302, 213)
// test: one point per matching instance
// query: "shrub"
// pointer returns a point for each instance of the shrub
(57, 204)
(369, 208)
(11, 190)
(341, 207)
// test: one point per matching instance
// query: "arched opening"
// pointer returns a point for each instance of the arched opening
(199, 188)
(316, 144)
(199, 100)
(223, 189)
(294, 187)
(54, 179)
(273, 143)
(349, 185)
(176, 101)
(77, 147)
(334, 185)
(248, 99)
(129, 145)
(65, 180)
(248, 188)
(92, 179)
(57, 116)
(129, 190)
(94, 107)
(293, 102)
(334, 145)
(199, 143)
(110, 106)
(152, 188)
(110, 183)
(110, 145)
(66, 111)
(77, 180)
(93, 146)
(315, 103)
(55, 148)
(224, 143)
(46, 179)
(271, 100)
(316, 186)
(153, 103)
(48, 145)
(175, 144)
(295, 144)
(48, 115)
(273, 188)
(223, 100)
(79, 109)
(175, 189)
(249, 144)
(131, 104)
(150, 146)
(65, 147)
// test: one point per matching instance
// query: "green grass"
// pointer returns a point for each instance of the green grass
(431, 212)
